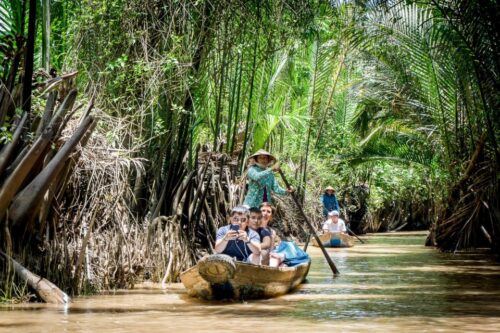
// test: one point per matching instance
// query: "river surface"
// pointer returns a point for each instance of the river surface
(391, 283)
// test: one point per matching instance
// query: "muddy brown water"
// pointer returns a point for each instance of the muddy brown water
(391, 283)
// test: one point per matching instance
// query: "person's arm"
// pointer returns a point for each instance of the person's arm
(343, 227)
(327, 203)
(256, 175)
(335, 203)
(278, 189)
(266, 243)
(252, 242)
(223, 238)
(220, 245)
(254, 246)
(325, 227)
(274, 238)
(324, 203)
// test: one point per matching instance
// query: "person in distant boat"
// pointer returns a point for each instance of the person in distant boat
(237, 240)
(329, 201)
(261, 180)
(334, 223)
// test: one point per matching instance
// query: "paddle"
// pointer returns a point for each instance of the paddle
(307, 242)
(313, 232)
(352, 232)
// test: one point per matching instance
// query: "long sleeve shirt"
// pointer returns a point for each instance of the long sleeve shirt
(261, 181)
(329, 203)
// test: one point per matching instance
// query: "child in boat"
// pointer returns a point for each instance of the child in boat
(255, 223)
(287, 254)
(334, 223)
(237, 240)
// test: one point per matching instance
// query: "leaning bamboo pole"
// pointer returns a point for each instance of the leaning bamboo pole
(45, 289)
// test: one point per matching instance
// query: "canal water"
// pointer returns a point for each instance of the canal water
(390, 283)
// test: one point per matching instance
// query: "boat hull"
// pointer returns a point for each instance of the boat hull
(248, 282)
(335, 239)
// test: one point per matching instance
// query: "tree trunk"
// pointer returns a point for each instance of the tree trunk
(28, 58)
(45, 289)
(46, 34)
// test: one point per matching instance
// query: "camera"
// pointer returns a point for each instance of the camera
(234, 227)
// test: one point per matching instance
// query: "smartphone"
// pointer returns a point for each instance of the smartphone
(234, 227)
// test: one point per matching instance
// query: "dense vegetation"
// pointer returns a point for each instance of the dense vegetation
(394, 103)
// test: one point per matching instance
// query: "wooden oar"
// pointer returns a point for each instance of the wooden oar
(313, 232)
(352, 232)
(307, 242)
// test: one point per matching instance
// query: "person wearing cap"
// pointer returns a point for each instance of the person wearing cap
(329, 201)
(334, 223)
(237, 240)
(261, 180)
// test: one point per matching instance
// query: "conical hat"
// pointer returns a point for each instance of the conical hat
(263, 152)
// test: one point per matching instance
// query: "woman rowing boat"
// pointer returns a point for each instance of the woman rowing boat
(261, 180)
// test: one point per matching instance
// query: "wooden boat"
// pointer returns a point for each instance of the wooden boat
(221, 277)
(335, 239)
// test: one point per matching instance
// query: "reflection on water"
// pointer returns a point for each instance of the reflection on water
(391, 283)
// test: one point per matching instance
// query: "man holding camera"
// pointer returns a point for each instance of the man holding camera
(237, 240)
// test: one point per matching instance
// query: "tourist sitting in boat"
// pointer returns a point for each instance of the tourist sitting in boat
(261, 180)
(287, 254)
(237, 240)
(267, 211)
(334, 223)
(255, 223)
(329, 201)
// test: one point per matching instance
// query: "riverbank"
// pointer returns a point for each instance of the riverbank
(391, 283)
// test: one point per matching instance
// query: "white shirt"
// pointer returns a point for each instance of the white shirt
(334, 227)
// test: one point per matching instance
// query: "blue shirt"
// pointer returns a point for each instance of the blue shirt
(237, 248)
(329, 203)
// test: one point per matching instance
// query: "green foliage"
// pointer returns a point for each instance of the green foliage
(389, 93)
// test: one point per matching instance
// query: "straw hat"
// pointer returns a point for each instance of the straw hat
(263, 152)
(329, 188)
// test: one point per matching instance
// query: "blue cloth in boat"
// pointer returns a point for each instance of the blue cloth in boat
(237, 248)
(294, 255)
(335, 242)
